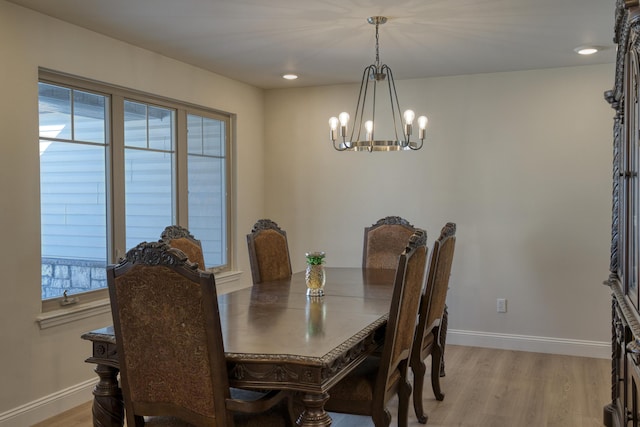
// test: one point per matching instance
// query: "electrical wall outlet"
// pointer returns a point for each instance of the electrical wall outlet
(501, 305)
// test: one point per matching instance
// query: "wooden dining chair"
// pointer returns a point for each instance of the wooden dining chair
(429, 334)
(179, 237)
(384, 241)
(170, 346)
(368, 389)
(268, 252)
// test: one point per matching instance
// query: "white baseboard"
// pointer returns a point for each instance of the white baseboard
(570, 347)
(49, 406)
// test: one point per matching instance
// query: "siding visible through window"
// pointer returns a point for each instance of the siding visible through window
(80, 149)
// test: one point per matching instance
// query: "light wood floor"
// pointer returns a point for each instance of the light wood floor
(488, 388)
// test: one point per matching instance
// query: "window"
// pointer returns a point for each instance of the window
(207, 202)
(116, 167)
(148, 171)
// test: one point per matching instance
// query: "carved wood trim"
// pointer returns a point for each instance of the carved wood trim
(615, 200)
(393, 220)
(628, 312)
(248, 367)
(627, 36)
(615, 99)
(265, 224)
(158, 253)
(176, 232)
(625, 320)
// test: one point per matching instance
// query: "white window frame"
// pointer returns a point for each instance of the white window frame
(90, 301)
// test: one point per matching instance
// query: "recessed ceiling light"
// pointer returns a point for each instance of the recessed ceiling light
(290, 76)
(586, 50)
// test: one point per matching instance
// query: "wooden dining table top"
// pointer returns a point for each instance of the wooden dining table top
(279, 319)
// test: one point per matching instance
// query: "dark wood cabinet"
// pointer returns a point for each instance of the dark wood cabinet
(624, 408)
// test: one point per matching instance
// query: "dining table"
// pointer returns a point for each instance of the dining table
(278, 338)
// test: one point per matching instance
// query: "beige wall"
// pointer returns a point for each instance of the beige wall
(520, 161)
(37, 363)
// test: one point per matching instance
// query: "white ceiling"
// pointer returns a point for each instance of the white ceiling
(330, 41)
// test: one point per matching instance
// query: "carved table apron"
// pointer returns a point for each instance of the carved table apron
(276, 337)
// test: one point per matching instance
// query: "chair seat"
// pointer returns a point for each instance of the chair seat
(354, 394)
(359, 384)
(274, 417)
(270, 418)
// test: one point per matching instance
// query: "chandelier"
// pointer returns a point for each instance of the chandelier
(372, 75)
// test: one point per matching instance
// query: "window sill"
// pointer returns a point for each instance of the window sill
(225, 281)
(227, 276)
(62, 316)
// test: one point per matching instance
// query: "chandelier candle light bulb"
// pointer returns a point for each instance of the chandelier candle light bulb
(409, 115)
(333, 125)
(344, 121)
(368, 125)
(422, 126)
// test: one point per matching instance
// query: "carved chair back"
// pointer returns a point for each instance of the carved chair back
(169, 339)
(435, 294)
(428, 339)
(403, 314)
(179, 237)
(171, 350)
(268, 252)
(369, 388)
(384, 241)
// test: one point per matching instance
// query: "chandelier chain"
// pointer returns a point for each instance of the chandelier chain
(377, 46)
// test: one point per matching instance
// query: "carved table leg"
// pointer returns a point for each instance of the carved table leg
(314, 414)
(108, 407)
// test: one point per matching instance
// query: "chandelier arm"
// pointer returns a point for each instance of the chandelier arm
(373, 106)
(417, 147)
(337, 147)
(393, 95)
(362, 96)
(373, 114)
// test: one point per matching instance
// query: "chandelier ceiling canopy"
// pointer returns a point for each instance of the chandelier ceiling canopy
(366, 106)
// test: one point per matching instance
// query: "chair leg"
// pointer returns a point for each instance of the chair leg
(404, 391)
(291, 416)
(382, 418)
(436, 361)
(138, 421)
(419, 370)
(443, 336)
